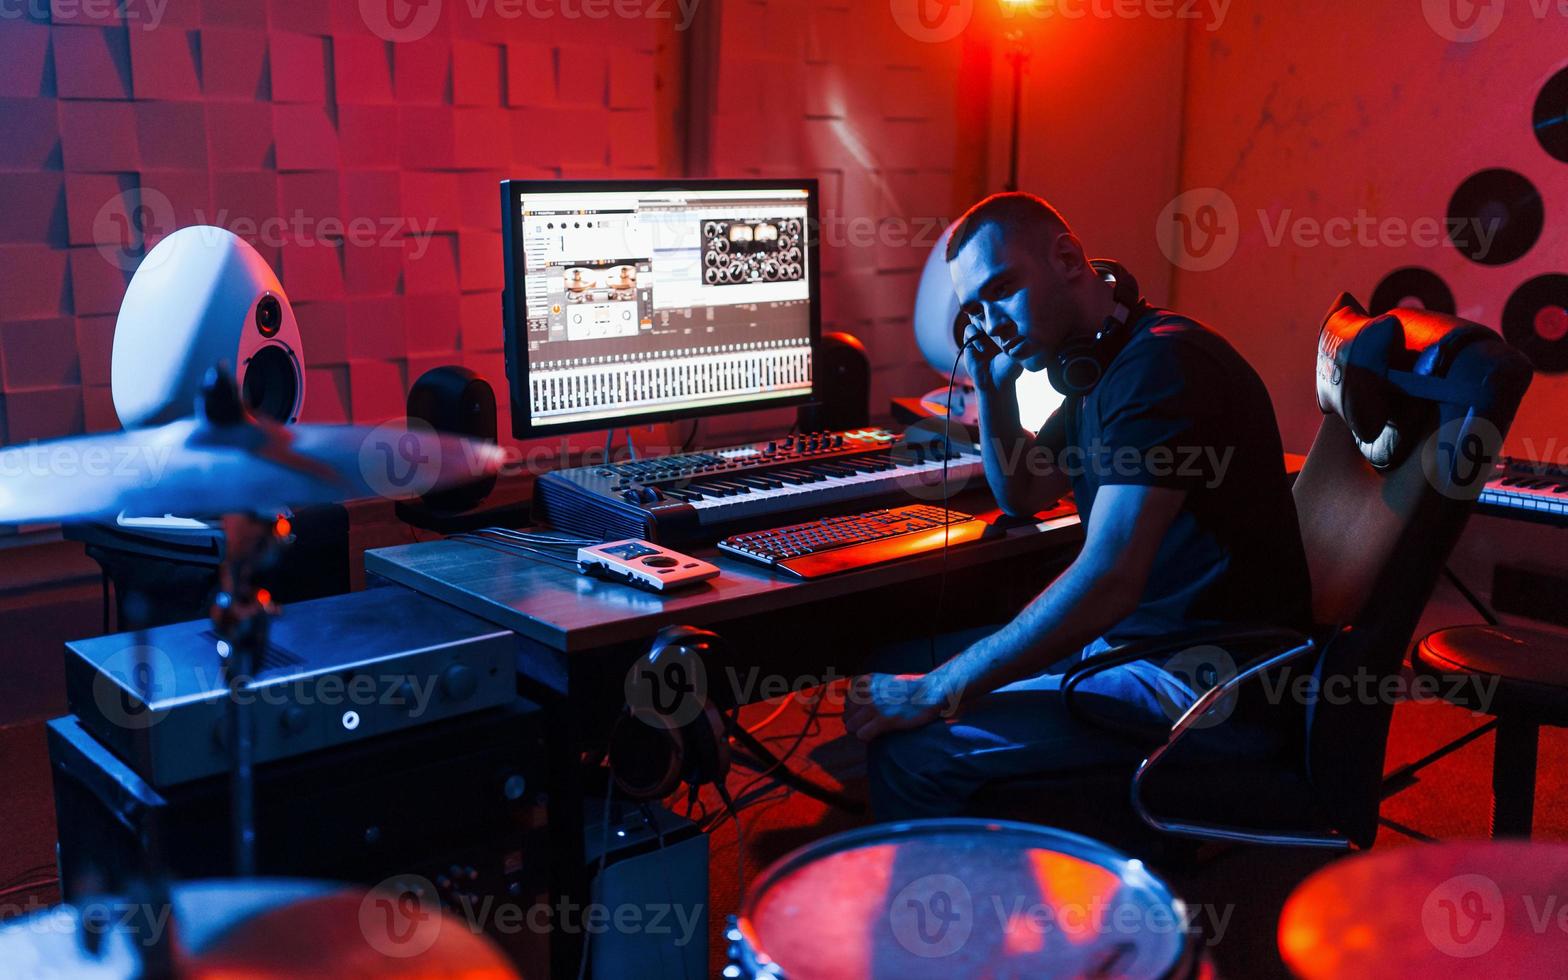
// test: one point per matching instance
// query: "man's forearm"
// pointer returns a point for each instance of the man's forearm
(1084, 602)
(1003, 442)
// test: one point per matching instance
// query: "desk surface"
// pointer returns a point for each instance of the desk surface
(571, 612)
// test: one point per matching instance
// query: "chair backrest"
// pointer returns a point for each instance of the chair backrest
(1416, 405)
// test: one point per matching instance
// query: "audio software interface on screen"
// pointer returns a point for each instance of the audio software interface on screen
(629, 303)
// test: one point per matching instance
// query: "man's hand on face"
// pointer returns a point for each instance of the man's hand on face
(882, 703)
(991, 369)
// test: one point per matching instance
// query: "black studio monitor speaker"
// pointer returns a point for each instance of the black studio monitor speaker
(843, 376)
(455, 400)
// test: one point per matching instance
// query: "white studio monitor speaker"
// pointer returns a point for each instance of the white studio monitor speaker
(201, 296)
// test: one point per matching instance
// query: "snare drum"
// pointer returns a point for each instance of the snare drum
(960, 898)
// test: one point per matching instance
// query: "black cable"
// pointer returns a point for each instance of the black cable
(521, 551)
(686, 446)
(947, 524)
(799, 738)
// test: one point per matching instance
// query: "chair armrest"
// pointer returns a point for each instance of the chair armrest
(1185, 724)
(1274, 637)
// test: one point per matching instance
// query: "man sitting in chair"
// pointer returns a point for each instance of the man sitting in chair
(1168, 440)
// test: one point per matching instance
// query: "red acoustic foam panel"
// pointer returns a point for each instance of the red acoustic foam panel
(375, 195)
(326, 394)
(323, 330)
(422, 70)
(237, 14)
(479, 260)
(364, 171)
(172, 199)
(430, 323)
(368, 135)
(233, 64)
(426, 138)
(89, 63)
(163, 64)
(92, 202)
(40, 353)
(376, 268)
(312, 269)
(299, 68)
(629, 88)
(312, 203)
(376, 328)
(34, 209)
(430, 264)
(98, 280)
(42, 413)
(479, 316)
(32, 136)
(99, 137)
(530, 73)
(304, 137)
(634, 139)
(430, 201)
(94, 342)
(239, 135)
(479, 195)
(491, 367)
(376, 391)
(577, 138)
(243, 203)
(476, 74)
(480, 136)
(301, 16)
(98, 414)
(24, 51)
(582, 73)
(172, 135)
(32, 281)
(362, 67)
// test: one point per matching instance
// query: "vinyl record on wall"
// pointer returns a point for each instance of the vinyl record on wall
(1412, 286)
(1495, 217)
(1551, 116)
(1536, 321)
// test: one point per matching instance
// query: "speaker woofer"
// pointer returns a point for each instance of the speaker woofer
(271, 385)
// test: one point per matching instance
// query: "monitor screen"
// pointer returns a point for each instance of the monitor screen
(653, 301)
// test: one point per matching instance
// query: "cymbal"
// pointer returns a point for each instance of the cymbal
(261, 928)
(1483, 907)
(225, 462)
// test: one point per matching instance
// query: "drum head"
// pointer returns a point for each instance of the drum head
(963, 898)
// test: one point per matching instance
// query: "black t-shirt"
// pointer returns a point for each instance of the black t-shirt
(1179, 407)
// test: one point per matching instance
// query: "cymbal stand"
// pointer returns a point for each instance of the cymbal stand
(242, 613)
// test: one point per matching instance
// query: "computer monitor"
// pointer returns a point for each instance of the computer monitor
(650, 301)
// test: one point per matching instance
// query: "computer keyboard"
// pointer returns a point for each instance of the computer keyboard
(840, 544)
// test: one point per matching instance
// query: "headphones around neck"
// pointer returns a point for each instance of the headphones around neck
(1078, 367)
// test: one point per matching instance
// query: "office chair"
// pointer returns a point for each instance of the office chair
(1415, 406)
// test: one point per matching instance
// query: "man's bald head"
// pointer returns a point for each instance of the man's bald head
(1015, 213)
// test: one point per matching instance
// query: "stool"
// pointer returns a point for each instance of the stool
(1529, 669)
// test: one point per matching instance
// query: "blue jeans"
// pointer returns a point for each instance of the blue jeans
(1018, 730)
